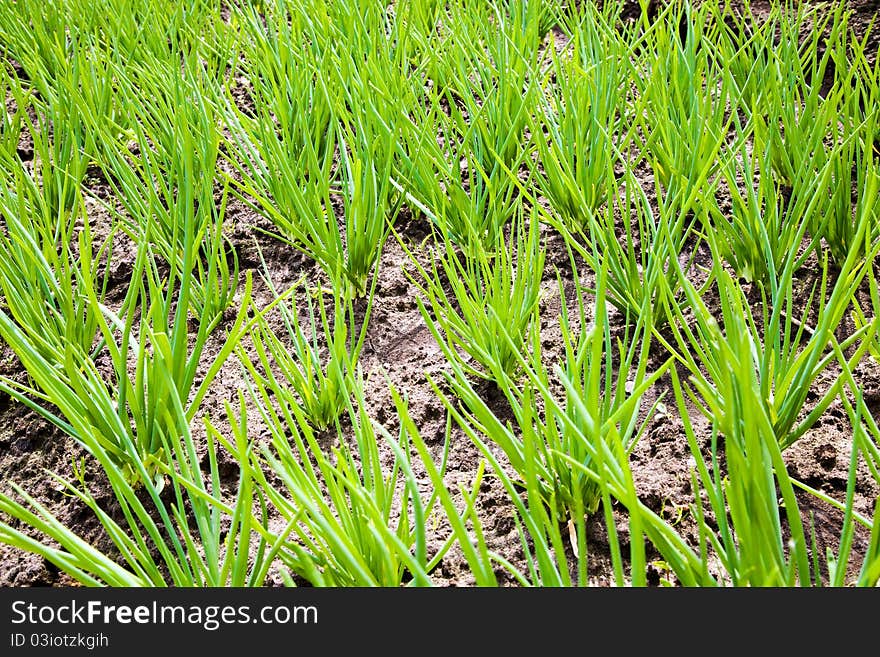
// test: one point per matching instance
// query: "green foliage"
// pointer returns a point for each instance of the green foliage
(583, 113)
(350, 520)
(603, 380)
(192, 537)
(309, 367)
(711, 173)
(492, 293)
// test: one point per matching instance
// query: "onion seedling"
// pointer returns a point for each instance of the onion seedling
(582, 113)
(491, 293)
(787, 351)
(600, 399)
(192, 537)
(311, 367)
(349, 522)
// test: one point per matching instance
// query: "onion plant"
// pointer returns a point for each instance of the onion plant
(491, 292)
(541, 536)
(763, 56)
(164, 184)
(284, 157)
(483, 94)
(60, 158)
(147, 341)
(604, 383)
(751, 496)
(153, 358)
(852, 166)
(797, 117)
(378, 92)
(284, 62)
(311, 367)
(744, 49)
(13, 118)
(850, 152)
(762, 231)
(752, 550)
(569, 454)
(490, 87)
(583, 113)
(37, 40)
(42, 255)
(683, 126)
(350, 521)
(291, 107)
(43, 252)
(468, 204)
(863, 318)
(550, 546)
(788, 347)
(641, 274)
(299, 205)
(370, 207)
(177, 531)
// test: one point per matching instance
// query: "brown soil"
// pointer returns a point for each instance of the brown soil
(400, 346)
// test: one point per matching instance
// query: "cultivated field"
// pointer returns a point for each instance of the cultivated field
(453, 293)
